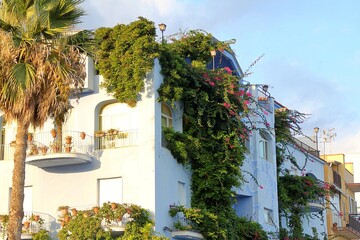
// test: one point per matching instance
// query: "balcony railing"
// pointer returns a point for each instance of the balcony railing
(116, 140)
(352, 228)
(184, 228)
(31, 224)
(43, 144)
(337, 179)
(306, 147)
(354, 222)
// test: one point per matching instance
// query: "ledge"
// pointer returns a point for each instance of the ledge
(58, 159)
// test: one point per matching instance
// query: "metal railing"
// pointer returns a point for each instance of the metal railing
(306, 147)
(118, 140)
(31, 224)
(337, 179)
(354, 222)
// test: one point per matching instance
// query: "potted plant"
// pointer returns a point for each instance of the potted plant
(30, 137)
(82, 135)
(26, 224)
(53, 133)
(74, 212)
(44, 149)
(99, 133)
(33, 149)
(68, 139)
(63, 211)
(55, 146)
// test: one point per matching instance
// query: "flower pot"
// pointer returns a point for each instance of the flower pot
(53, 133)
(96, 210)
(82, 135)
(44, 150)
(36, 218)
(74, 212)
(26, 225)
(68, 149)
(113, 206)
(68, 140)
(30, 137)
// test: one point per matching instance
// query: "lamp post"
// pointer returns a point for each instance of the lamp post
(316, 130)
(162, 27)
(213, 54)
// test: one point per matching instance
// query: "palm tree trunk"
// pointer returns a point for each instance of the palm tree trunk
(18, 182)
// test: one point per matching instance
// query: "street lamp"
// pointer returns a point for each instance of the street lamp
(162, 27)
(213, 54)
(316, 130)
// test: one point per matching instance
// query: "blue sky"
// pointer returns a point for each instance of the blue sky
(312, 50)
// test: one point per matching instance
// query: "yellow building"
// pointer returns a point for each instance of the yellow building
(343, 222)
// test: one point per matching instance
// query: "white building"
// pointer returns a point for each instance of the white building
(134, 168)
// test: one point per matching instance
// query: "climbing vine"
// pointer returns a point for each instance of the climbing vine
(217, 108)
(295, 192)
(125, 54)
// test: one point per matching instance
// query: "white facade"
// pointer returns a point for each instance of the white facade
(135, 169)
(144, 173)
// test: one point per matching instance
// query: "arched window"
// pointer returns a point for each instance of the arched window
(166, 121)
(118, 116)
(263, 146)
(166, 116)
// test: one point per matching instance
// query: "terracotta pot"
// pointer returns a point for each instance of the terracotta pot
(82, 135)
(96, 210)
(67, 218)
(36, 218)
(44, 150)
(53, 133)
(30, 137)
(113, 206)
(68, 140)
(26, 224)
(74, 211)
(68, 149)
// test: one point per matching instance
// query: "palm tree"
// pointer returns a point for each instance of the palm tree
(41, 63)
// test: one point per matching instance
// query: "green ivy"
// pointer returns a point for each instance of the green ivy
(125, 54)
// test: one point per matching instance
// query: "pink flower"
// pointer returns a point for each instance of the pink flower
(231, 146)
(227, 105)
(248, 94)
(212, 83)
(246, 102)
(261, 187)
(265, 112)
(227, 69)
(240, 92)
(341, 214)
(267, 124)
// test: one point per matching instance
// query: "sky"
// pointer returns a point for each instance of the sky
(311, 51)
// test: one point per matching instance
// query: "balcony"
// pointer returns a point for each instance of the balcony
(306, 147)
(183, 228)
(45, 150)
(33, 222)
(352, 228)
(317, 205)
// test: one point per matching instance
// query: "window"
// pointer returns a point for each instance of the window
(166, 116)
(110, 190)
(263, 146)
(166, 121)
(268, 216)
(119, 116)
(181, 193)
